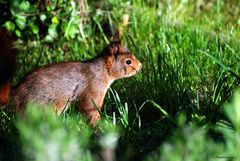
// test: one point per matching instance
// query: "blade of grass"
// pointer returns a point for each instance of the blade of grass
(221, 64)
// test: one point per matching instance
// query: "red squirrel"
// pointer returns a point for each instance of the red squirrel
(59, 84)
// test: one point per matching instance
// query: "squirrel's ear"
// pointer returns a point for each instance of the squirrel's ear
(117, 37)
(113, 48)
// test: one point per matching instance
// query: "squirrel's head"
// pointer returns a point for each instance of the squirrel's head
(120, 62)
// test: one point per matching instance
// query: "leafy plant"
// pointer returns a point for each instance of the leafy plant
(189, 141)
(45, 19)
(47, 137)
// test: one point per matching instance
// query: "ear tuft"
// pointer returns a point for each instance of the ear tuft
(117, 36)
(113, 48)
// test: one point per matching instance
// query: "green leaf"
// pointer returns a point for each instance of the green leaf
(43, 17)
(71, 32)
(52, 33)
(25, 5)
(18, 33)
(21, 21)
(50, 8)
(48, 38)
(55, 20)
(52, 30)
(10, 26)
(34, 28)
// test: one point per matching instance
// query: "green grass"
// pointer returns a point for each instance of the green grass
(190, 60)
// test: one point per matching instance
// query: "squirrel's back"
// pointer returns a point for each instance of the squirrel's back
(7, 65)
(51, 83)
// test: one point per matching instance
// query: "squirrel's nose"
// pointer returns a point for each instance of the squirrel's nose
(140, 66)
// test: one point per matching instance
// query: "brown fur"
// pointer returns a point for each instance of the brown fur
(5, 94)
(59, 84)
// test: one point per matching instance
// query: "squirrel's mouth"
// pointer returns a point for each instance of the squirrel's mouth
(136, 70)
(139, 67)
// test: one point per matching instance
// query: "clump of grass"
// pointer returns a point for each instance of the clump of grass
(189, 141)
(47, 137)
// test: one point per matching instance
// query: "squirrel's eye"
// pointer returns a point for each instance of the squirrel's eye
(128, 62)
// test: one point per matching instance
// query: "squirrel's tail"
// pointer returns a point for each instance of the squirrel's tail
(7, 65)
